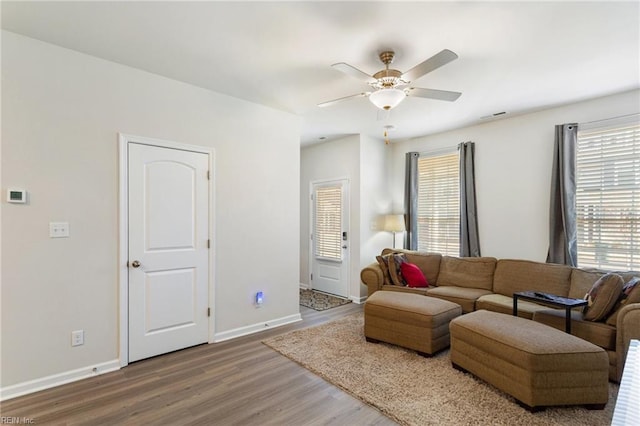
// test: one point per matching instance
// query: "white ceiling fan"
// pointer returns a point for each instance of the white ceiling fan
(392, 86)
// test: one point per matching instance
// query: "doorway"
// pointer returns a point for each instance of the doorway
(330, 237)
(166, 228)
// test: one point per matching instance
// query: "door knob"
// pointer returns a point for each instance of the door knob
(135, 264)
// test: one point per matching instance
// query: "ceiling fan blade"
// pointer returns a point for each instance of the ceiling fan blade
(335, 101)
(433, 63)
(354, 72)
(442, 95)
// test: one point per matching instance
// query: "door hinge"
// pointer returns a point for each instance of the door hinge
(311, 277)
(311, 236)
(208, 244)
(208, 312)
(208, 175)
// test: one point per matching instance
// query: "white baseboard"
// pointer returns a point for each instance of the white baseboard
(358, 300)
(39, 384)
(36, 385)
(305, 286)
(255, 328)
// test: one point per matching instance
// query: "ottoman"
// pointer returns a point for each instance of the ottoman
(409, 320)
(536, 364)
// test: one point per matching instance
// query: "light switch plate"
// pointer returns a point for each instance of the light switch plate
(59, 229)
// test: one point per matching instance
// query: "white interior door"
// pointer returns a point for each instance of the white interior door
(168, 249)
(330, 237)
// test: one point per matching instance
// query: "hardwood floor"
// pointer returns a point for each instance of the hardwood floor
(238, 382)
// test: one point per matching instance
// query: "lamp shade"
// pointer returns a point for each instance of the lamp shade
(394, 223)
(387, 98)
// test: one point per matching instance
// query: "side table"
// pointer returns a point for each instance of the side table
(550, 300)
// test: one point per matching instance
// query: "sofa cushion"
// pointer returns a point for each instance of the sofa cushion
(470, 272)
(412, 275)
(630, 294)
(597, 333)
(522, 275)
(602, 297)
(582, 280)
(406, 289)
(504, 304)
(463, 296)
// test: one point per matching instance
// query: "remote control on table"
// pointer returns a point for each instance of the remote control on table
(543, 295)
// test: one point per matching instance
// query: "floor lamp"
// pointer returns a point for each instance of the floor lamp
(394, 223)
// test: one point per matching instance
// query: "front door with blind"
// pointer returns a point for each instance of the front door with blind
(330, 237)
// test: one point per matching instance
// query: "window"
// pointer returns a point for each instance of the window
(608, 195)
(328, 222)
(439, 203)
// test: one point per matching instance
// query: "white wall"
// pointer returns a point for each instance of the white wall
(513, 171)
(375, 201)
(363, 160)
(61, 115)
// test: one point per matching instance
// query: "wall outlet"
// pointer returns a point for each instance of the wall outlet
(77, 338)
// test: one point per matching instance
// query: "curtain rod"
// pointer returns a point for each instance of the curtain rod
(609, 119)
(439, 151)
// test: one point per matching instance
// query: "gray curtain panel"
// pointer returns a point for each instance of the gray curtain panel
(562, 215)
(411, 201)
(469, 238)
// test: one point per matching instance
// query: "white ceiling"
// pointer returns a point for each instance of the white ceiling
(513, 56)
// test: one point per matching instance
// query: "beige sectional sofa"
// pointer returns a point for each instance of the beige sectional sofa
(488, 283)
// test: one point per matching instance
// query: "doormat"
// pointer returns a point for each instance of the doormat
(320, 301)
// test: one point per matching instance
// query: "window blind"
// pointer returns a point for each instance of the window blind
(439, 204)
(608, 196)
(328, 222)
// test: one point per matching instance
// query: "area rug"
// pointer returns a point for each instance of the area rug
(320, 301)
(411, 389)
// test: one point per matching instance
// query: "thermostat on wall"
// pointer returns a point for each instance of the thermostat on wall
(17, 196)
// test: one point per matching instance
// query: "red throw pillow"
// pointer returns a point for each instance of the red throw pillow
(413, 275)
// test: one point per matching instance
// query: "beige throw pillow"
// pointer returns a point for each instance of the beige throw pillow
(395, 261)
(383, 261)
(603, 296)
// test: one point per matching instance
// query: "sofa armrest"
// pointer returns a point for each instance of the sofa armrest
(627, 328)
(372, 277)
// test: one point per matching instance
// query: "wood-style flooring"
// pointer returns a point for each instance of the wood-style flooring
(237, 382)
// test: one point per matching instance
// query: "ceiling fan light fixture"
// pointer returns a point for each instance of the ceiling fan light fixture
(387, 99)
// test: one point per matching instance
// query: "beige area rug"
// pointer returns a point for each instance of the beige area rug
(411, 389)
(320, 301)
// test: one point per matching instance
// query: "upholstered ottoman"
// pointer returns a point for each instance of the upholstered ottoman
(409, 320)
(536, 364)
